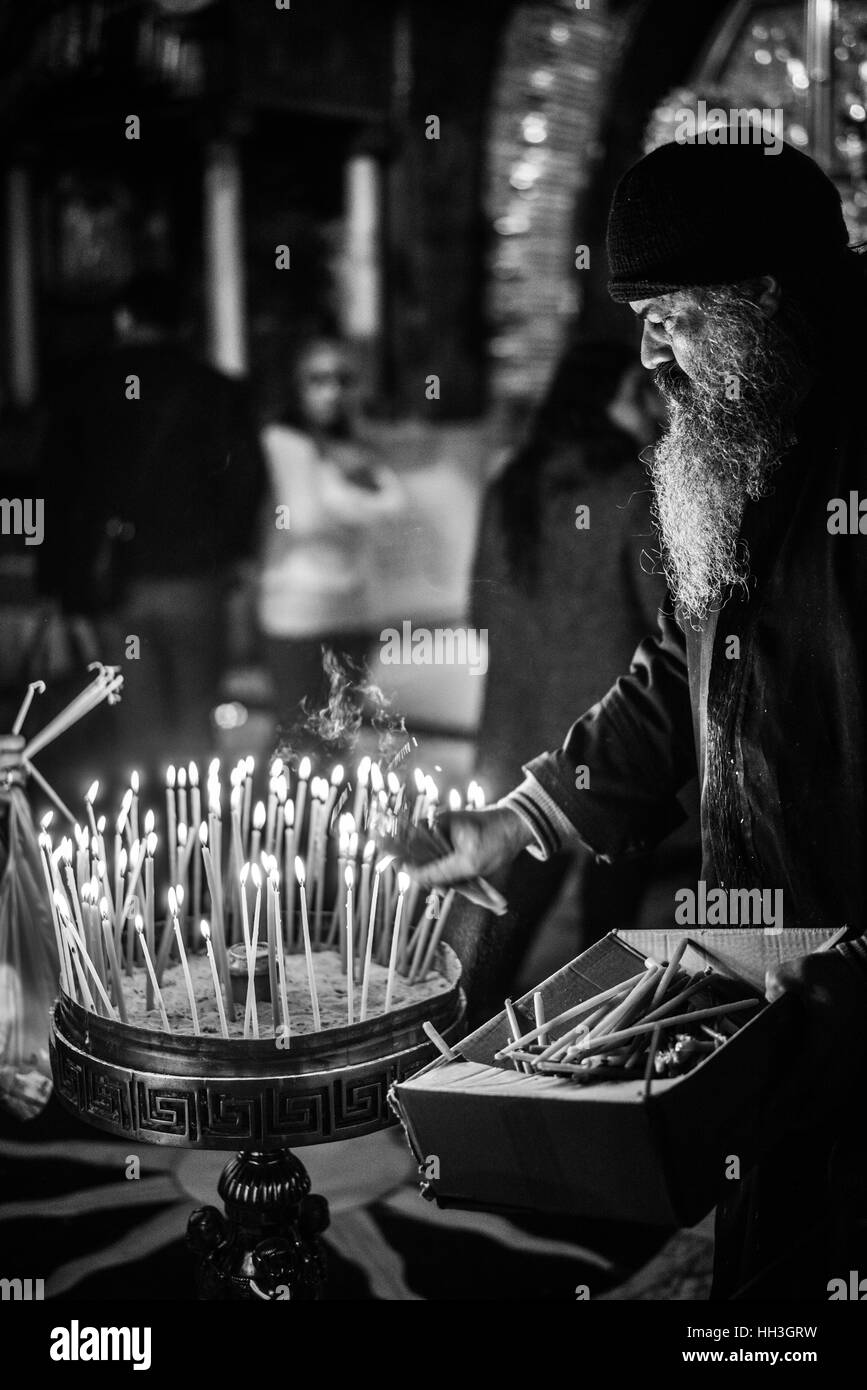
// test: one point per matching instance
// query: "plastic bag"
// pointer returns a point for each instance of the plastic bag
(29, 969)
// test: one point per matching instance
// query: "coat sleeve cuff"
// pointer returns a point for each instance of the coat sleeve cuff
(550, 828)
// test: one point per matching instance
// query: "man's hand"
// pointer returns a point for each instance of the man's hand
(11, 765)
(481, 841)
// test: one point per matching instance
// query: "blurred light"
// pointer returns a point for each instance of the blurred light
(798, 75)
(857, 112)
(763, 56)
(230, 716)
(542, 79)
(559, 33)
(513, 224)
(535, 128)
(797, 135)
(524, 175)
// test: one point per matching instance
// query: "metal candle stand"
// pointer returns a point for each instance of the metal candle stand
(260, 1100)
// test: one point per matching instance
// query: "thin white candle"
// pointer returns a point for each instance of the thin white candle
(349, 874)
(368, 954)
(187, 978)
(403, 882)
(206, 936)
(308, 949)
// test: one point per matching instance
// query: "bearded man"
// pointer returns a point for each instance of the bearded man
(754, 314)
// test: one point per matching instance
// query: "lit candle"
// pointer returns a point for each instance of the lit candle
(288, 875)
(187, 979)
(133, 809)
(206, 936)
(249, 767)
(252, 1013)
(273, 929)
(217, 918)
(150, 846)
(281, 963)
(362, 778)
(171, 824)
(174, 898)
(308, 949)
(364, 900)
(403, 882)
(113, 962)
(140, 932)
(195, 903)
(76, 950)
(349, 874)
(183, 814)
(89, 797)
(371, 932)
(304, 769)
(259, 816)
(45, 850)
(418, 804)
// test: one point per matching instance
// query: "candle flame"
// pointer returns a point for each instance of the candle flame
(455, 802)
(431, 789)
(289, 814)
(100, 825)
(304, 769)
(170, 776)
(47, 819)
(349, 875)
(259, 815)
(182, 777)
(383, 863)
(134, 782)
(282, 788)
(419, 779)
(205, 930)
(403, 882)
(214, 770)
(337, 775)
(363, 773)
(173, 902)
(183, 835)
(101, 870)
(256, 876)
(92, 792)
(139, 923)
(149, 822)
(377, 781)
(203, 833)
(277, 767)
(179, 893)
(103, 908)
(244, 874)
(152, 844)
(299, 869)
(393, 783)
(369, 851)
(122, 861)
(249, 765)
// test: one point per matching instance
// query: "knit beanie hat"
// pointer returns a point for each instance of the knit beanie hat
(711, 214)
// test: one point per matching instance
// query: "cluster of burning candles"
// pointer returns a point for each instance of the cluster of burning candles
(104, 905)
(608, 1036)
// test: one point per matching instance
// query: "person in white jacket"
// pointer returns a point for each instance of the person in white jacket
(328, 492)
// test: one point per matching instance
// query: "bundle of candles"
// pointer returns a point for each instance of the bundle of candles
(661, 1021)
(284, 906)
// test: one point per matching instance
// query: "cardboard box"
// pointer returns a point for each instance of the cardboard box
(616, 1150)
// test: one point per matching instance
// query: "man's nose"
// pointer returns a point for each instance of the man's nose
(655, 349)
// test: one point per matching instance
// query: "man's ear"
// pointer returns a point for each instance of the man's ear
(768, 295)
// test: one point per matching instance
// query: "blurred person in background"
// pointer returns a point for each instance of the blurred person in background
(153, 481)
(566, 594)
(327, 492)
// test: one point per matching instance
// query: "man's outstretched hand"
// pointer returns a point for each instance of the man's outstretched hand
(481, 842)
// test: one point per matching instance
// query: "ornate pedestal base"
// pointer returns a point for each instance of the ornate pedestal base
(266, 1246)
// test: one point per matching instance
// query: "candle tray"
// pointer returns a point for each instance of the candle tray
(211, 1093)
